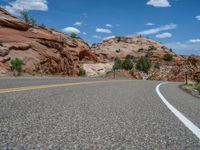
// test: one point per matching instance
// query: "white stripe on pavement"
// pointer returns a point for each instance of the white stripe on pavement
(195, 130)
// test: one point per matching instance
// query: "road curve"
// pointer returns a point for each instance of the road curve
(108, 115)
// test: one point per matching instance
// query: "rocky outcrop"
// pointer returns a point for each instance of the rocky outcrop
(7, 20)
(42, 51)
(137, 46)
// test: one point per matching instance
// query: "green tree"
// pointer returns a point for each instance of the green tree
(25, 16)
(32, 21)
(143, 64)
(127, 64)
(168, 57)
(73, 35)
(117, 65)
(17, 66)
(82, 72)
(157, 65)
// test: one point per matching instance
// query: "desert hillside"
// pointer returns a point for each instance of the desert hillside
(42, 50)
(49, 52)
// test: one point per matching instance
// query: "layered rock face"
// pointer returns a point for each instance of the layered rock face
(42, 51)
(137, 46)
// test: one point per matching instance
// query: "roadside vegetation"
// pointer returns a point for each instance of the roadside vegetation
(82, 72)
(27, 19)
(168, 57)
(143, 64)
(193, 87)
(16, 66)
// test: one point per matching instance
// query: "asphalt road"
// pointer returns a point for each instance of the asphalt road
(109, 115)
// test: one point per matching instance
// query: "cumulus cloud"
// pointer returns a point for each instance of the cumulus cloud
(150, 24)
(157, 30)
(109, 25)
(164, 35)
(194, 41)
(71, 30)
(185, 48)
(97, 37)
(19, 5)
(78, 23)
(101, 30)
(198, 18)
(159, 3)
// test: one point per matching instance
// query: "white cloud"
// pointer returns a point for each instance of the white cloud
(71, 30)
(109, 25)
(97, 37)
(84, 33)
(78, 23)
(185, 48)
(109, 37)
(164, 35)
(194, 41)
(198, 18)
(159, 3)
(101, 30)
(157, 30)
(150, 24)
(18, 5)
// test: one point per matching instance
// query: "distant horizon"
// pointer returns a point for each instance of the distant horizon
(165, 21)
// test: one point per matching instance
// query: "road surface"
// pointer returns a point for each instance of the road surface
(85, 113)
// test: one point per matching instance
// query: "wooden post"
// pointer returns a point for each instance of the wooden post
(186, 78)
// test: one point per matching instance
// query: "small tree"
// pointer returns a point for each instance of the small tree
(157, 65)
(143, 64)
(32, 21)
(127, 64)
(117, 65)
(129, 57)
(167, 57)
(25, 16)
(73, 35)
(17, 66)
(82, 72)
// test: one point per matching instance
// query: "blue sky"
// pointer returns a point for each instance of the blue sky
(176, 23)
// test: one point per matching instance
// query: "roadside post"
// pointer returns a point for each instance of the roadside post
(186, 75)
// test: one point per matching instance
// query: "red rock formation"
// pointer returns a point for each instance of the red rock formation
(42, 51)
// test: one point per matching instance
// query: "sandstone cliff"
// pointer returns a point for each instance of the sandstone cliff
(42, 50)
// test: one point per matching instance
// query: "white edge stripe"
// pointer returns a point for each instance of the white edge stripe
(195, 130)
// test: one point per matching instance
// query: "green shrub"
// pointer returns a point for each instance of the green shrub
(157, 65)
(118, 50)
(73, 35)
(143, 64)
(118, 64)
(198, 87)
(127, 64)
(32, 21)
(17, 66)
(151, 48)
(198, 78)
(167, 57)
(82, 72)
(25, 16)
(129, 57)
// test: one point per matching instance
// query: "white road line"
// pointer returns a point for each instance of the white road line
(195, 130)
